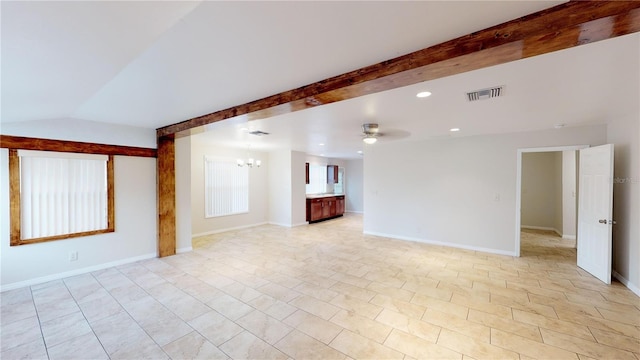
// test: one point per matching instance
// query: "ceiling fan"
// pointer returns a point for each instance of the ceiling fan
(371, 133)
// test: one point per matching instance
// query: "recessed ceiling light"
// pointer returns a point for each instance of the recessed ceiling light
(423, 94)
(454, 129)
(321, 154)
(359, 151)
(321, 144)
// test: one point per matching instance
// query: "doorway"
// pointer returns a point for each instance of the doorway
(547, 221)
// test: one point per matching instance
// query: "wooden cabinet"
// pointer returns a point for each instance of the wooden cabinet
(314, 209)
(323, 208)
(326, 208)
(340, 205)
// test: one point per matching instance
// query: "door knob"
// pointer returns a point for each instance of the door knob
(603, 221)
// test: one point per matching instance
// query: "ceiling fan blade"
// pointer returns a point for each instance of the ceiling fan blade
(394, 134)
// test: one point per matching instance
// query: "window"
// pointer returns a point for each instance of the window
(317, 179)
(58, 195)
(226, 187)
(338, 188)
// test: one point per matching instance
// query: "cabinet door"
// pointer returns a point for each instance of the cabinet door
(340, 206)
(332, 207)
(326, 208)
(316, 210)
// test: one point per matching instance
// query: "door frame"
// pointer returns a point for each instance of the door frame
(519, 182)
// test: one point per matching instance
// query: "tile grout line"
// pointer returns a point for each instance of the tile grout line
(33, 301)
(84, 316)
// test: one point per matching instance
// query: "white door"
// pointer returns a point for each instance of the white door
(595, 211)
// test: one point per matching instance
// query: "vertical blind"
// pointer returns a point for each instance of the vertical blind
(226, 187)
(62, 193)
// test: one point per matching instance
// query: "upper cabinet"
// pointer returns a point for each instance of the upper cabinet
(332, 174)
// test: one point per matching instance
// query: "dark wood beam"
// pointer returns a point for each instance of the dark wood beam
(166, 196)
(564, 26)
(14, 197)
(26, 143)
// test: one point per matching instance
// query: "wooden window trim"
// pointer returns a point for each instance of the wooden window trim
(14, 205)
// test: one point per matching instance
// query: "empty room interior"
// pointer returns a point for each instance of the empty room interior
(320, 180)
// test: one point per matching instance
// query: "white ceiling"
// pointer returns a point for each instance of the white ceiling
(155, 63)
(590, 84)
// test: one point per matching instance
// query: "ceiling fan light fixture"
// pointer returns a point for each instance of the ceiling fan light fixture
(369, 139)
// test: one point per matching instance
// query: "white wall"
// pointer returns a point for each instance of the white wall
(135, 237)
(280, 187)
(569, 191)
(84, 131)
(458, 192)
(626, 199)
(258, 191)
(624, 133)
(354, 172)
(135, 201)
(183, 194)
(557, 192)
(298, 190)
(539, 179)
(287, 195)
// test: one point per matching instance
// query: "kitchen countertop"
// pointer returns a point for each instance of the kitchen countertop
(319, 196)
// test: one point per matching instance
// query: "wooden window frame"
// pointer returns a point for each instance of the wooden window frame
(15, 213)
(13, 143)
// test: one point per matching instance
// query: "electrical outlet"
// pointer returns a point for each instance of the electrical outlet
(73, 256)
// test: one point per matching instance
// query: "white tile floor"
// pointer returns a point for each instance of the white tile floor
(326, 291)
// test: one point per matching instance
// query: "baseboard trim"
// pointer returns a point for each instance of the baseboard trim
(228, 229)
(288, 225)
(542, 228)
(184, 250)
(354, 211)
(66, 274)
(537, 227)
(625, 282)
(440, 243)
(569, 237)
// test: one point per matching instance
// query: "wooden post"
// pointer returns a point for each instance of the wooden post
(166, 196)
(14, 196)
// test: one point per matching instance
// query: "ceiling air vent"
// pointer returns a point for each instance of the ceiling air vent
(485, 93)
(258, 133)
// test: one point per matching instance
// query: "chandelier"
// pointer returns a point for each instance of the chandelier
(250, 162)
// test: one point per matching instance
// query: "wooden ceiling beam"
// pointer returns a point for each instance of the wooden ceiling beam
(561, 27)
(26, 143)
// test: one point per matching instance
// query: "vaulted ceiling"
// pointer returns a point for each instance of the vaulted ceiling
(155, 63)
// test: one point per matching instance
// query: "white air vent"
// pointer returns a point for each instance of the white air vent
(485, 93)
(258, 133)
